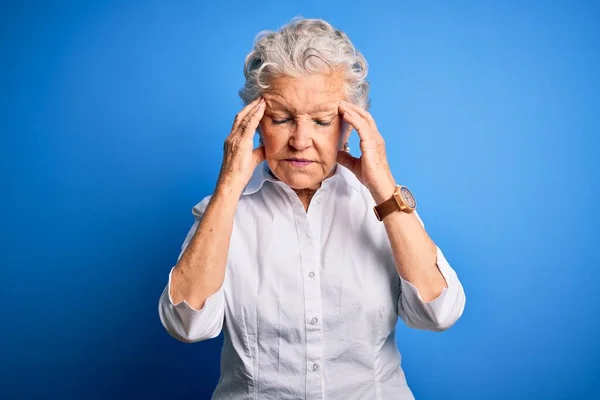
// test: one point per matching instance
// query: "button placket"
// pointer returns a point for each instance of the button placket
(310, 263)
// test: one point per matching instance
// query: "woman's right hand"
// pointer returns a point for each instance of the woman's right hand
(240, 158)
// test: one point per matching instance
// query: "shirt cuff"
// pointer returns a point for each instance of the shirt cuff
(188, 324)
(441, 312)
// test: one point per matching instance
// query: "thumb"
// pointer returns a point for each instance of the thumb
(347, 160)
(258, 154)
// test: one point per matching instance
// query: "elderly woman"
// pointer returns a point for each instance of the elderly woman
(305, 256)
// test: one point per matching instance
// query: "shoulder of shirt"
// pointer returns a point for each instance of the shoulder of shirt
(261, 175)
(198, 209)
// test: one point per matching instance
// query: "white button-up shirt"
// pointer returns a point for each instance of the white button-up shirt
(310, 300)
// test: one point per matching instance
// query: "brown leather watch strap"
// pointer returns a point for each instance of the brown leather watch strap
(386, 208)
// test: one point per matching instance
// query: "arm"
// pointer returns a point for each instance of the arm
(192, 306)
(431, 297)
(200, 271)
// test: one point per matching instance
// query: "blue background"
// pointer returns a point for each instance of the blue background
(113, 116)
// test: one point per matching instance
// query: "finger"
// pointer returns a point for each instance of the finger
(347, 160)
(362, 112)
(365, 132)
(250, 123)
(243, 123)
(259, 155)
(244, 112)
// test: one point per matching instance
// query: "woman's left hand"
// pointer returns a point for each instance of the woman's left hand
(371, 168)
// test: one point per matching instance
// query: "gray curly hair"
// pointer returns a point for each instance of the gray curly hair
(305, 46)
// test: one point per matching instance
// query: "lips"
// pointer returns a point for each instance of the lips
(298, 159)
(299, 162)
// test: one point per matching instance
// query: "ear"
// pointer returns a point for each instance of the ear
(345, 131)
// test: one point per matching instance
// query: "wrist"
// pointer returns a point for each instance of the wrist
(229, 187)
(383, 192)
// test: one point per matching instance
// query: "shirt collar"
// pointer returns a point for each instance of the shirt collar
(262, 174)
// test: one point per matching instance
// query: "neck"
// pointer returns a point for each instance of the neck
(305, 196)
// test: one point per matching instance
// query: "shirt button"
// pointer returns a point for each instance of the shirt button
(315, 367)
(311, 274)
(319, 200)
(314, 321)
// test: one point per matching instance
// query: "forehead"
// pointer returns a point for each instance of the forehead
(306, 94)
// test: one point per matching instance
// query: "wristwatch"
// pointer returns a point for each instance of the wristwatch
(401, 200)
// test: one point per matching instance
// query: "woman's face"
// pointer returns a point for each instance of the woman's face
(301, 129)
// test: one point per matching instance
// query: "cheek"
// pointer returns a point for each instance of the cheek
(329, 141)
(272, 137)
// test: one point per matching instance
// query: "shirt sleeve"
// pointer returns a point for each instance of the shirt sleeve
(190, 325)
(438, 314)
(182, 321)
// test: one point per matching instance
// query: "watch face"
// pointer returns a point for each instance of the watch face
(408, 197)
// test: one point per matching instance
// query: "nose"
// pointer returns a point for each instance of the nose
(301, 137)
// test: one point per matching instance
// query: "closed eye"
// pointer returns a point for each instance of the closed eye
(322, 123)
(281, 121)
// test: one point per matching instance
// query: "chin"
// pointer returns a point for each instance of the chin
(302, 183)
(297, 179)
